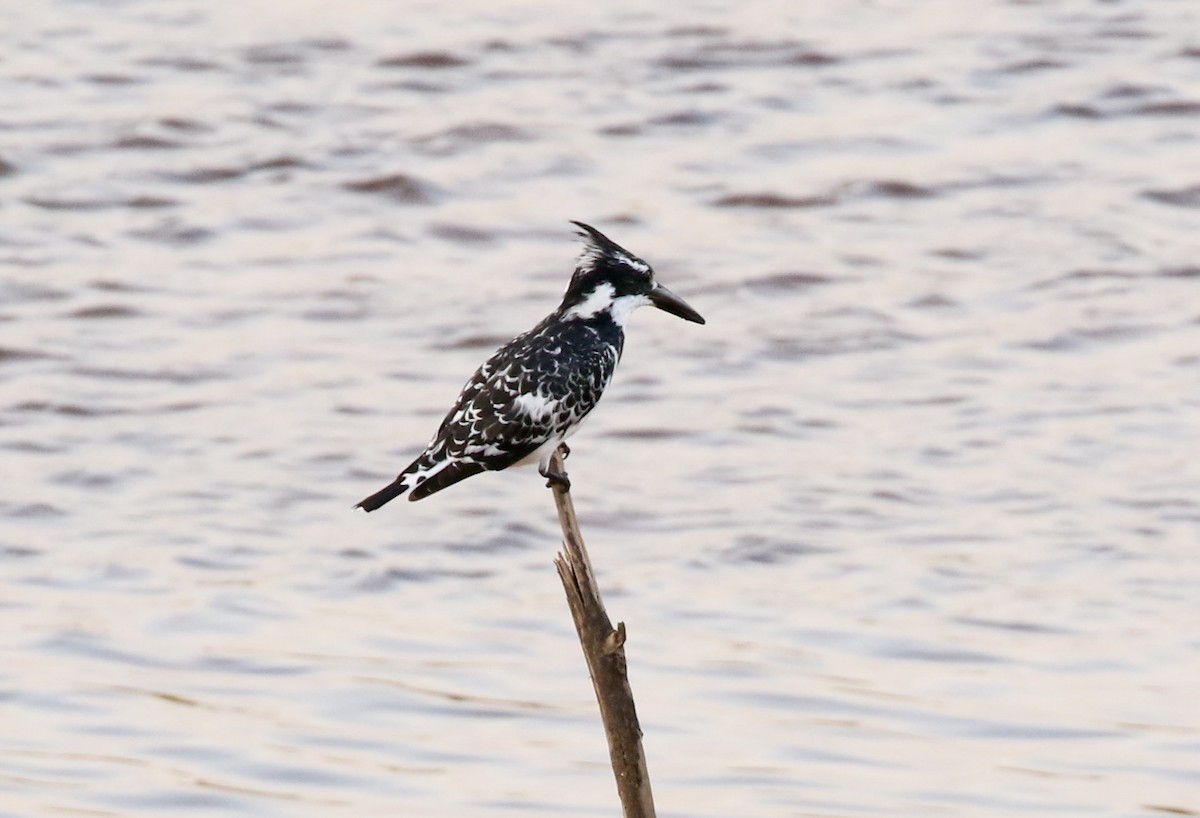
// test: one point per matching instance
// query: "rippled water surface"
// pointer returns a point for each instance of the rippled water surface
(908, 529)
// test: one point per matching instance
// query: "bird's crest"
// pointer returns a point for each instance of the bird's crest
(599, 250)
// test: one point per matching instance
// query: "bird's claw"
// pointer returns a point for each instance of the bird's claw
(557, 479)
(564, 451)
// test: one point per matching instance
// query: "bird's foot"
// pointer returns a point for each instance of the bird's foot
(564, 450)
(556, 479)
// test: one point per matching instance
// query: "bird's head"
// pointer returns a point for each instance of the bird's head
(609, 278)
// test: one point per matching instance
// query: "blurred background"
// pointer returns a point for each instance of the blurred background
(909, 528)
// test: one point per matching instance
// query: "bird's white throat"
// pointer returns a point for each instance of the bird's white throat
(604, 298)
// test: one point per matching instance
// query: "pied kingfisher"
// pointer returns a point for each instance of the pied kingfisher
(535, 390)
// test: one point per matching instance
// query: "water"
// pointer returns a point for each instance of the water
(909, 528)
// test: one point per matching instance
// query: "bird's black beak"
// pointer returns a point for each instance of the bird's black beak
(667, 301)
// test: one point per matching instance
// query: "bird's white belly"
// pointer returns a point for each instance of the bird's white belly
(541, 455)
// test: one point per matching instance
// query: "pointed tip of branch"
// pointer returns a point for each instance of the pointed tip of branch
(615, 641)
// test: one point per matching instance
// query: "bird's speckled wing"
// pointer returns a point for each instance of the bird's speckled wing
(534, 389)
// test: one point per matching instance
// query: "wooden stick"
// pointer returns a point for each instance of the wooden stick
(604, 650)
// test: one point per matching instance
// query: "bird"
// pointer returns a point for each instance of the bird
(533, 392)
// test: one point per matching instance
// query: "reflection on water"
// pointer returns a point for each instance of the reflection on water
(908, 528)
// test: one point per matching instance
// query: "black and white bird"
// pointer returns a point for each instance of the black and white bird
(533, 392)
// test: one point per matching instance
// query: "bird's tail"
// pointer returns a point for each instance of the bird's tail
(386, 494)
(424, 477)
